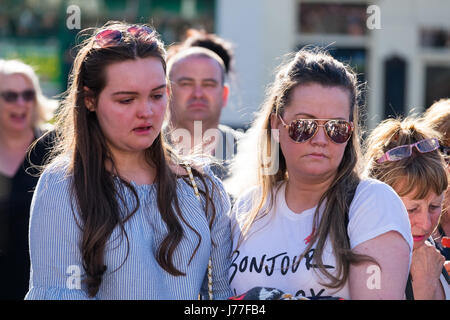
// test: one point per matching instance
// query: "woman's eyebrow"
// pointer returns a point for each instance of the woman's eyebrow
(135, 92)
(160, 87)
(124, 92)
(314, 117)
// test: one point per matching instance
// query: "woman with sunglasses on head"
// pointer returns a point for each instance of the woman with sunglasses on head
(438, 117)
(23, 112)
(404, 154)
(116, 215)
(311, 227)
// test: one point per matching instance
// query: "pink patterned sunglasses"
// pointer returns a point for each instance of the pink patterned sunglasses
(405, 151)
(112, 37)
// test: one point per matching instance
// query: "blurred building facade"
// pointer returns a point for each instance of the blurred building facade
(401, 48)
(44, 33)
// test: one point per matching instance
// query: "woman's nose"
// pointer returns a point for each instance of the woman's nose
(423, 220)
(320, 137)
(20, 101)
(145, 110)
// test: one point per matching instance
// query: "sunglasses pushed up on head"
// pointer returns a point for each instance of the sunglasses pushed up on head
(112, 37)
(301, 130)
(405, 151)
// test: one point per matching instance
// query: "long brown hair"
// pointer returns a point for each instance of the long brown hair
(99, 199)
(306, 67)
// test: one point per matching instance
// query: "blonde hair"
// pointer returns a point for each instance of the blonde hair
(438, 117)
(44, 106)
(419, 173)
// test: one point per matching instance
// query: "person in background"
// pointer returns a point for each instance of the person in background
(124, 216)
(438, 117)
(405, 155)
(200, 38)
(305, 222)
(198, 70)
(23, 113)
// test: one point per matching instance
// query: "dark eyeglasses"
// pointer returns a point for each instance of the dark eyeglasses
(301, 130)
(111, 37)
(405, 151)
(12, 96)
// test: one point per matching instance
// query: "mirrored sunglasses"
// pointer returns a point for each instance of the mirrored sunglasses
(301, 130)
(13, 96)
(112, 37)
(405, 151)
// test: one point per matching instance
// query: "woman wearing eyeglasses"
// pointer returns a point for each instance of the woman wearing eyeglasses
(438, 117)
(404, 154)
(310, 226)
(116, 215)
(23, 112)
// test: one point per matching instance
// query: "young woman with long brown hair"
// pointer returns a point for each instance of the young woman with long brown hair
(311, 226)
(115, 214)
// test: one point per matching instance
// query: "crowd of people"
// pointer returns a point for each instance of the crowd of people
(137, 191)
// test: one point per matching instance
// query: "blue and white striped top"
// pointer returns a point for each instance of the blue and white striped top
(56, 262)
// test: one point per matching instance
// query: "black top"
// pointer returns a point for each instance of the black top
(444, 251)
(15, 199)
(228, 140)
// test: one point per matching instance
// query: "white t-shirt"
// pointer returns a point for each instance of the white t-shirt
(268, 257)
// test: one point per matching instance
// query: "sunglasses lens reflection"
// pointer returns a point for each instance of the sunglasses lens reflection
(108, 37)
(302, 130)
(427, 145)
(399, 153)
(138, 31)
(339, 131)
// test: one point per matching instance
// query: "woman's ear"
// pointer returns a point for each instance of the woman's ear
(89, 100)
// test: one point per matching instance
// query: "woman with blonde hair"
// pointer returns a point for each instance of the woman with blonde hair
(404, 154)
(438, 117)
(24, 111)
(310, 226)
